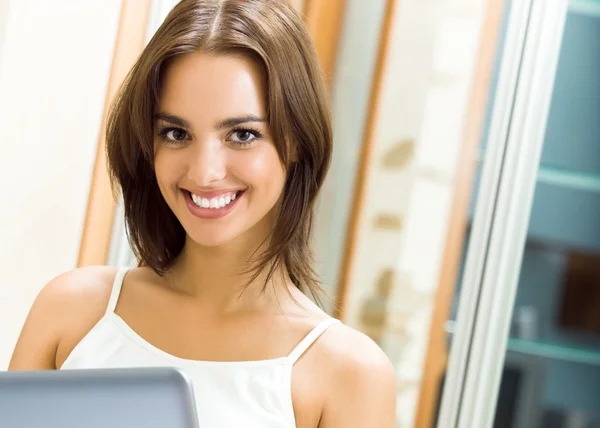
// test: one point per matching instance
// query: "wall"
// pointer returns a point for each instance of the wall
(54, 67)
(4, 4)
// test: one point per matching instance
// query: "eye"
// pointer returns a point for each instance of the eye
(176, 134)
(173, 135)
(244, 136)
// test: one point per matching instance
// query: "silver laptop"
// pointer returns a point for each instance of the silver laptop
(97, 398)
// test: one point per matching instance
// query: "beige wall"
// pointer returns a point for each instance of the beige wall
(4, 4)
(54, 67)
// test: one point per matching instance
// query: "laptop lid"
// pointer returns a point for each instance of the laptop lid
(97, 398)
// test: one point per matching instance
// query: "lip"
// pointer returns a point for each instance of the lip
(210, 213)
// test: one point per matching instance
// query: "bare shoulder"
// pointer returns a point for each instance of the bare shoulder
(80, 294)
(83, 285)
(360, 380)
(83, 295)
(64, 310)
(353, 353)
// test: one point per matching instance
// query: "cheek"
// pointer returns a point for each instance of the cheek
(265, 171)
(168, 168)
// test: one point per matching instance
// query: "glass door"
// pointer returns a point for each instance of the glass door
(551, 372)
(523, 220)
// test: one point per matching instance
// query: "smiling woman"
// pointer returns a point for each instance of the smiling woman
(236, 68)
(219, 141)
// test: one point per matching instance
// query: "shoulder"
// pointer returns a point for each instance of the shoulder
(75, 301)
(80, 290)
(354, 355)
(81, 281)
(361, 380)
(62, 313)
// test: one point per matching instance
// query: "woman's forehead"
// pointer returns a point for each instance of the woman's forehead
(213, 86)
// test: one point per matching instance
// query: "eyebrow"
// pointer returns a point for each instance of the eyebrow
(225, 123)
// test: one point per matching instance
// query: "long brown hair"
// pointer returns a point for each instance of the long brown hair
(298, 115)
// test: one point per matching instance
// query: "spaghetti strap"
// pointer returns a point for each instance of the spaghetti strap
(310, 338)
(116, 290)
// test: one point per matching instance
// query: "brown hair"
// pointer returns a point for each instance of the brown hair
(297, 112)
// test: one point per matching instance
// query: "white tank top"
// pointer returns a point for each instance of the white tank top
(249, 394)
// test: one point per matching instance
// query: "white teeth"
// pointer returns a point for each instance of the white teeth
(214, 203)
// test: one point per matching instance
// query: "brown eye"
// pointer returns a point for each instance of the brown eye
(175, 134)
(243, 136)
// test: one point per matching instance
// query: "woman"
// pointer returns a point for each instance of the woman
(219, 141)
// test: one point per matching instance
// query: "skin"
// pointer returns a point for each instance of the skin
(197, 310)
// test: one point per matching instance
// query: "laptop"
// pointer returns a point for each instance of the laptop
(97, 398)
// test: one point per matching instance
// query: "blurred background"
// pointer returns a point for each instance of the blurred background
(459, 226)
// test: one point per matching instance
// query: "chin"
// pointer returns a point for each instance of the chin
(211, 240)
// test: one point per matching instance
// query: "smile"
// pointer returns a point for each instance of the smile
(215, 203)
(212, 206)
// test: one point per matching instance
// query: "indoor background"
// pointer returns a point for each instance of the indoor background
(461, 211)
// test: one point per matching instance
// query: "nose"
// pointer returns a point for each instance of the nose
(208, 163)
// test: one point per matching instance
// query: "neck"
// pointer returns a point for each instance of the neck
(220, 278)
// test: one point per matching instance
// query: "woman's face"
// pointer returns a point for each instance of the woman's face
(216, 164)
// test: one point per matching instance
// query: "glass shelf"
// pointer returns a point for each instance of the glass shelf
(555, 351)
(548, 350)
(570, 179)
(585, 7)
(564, 177)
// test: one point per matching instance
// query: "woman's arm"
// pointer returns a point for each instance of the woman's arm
(362, 387)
